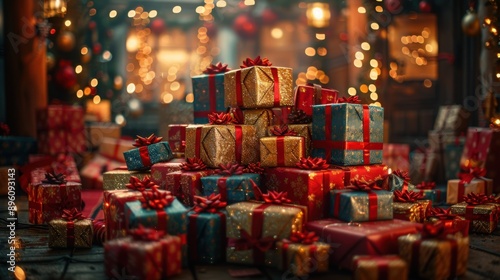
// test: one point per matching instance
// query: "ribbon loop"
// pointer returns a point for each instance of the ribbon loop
(217, 68)
(426, 186)
(137, 184)
(54, 178)
(146, 234)
(476, 198)
(306, 238)
(255, 62)
(283, 130)
(220, 118)
(156, 199)
(72, 214)
(146, 141)
(363, 185)
(350, 99)
(230, 169)
(311, 163)
(210, 204)
(407, 196)
(193, 164)
(247, 242)
(254, 168)
(437, 230)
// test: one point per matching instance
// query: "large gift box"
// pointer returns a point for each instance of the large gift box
(177, 137)
(14, 150)
(369, 238)
(348, 133)
(97, 131)
(146, 254)
(478, 209)
(388, 267)
(258, 85)
(208, 91)
(396, 156)
(150, 150)
(72, 230)
(114, 148)
(118, 178)
(231, 183)
(92, 172)
(470, 181)
(452, 118)
(313, 94)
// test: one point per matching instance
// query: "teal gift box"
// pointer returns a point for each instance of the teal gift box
(436, 195)
(208, 91)
(361, 206)
(143, 157)
(207, 237)
(14, 150)
(233, 189)
(348, 134)
(452, 155)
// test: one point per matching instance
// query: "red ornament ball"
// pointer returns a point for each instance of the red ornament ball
(425, 7)
(269, 16)
(393, 6)
(245, 26)
(65, 75)
(96, 48)
(157, 26)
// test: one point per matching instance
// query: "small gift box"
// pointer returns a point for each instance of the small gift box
(48, 199)
(313, 94)
(177, 137)
(92, 172)
(452, 118)
(146, 254)
(118, 178)
(72, 230)
(207, 230)
(436, 253)
(300, 130)
(396, 156)
(283, 149)
(258, 85)
(389, 267)
(259, 118)
(368, 238)
(302, 254)
(160, 170)
(97, 131)
(476, 208)
(348, 133)
(470, 181)
(408, 205)
(114, 148)
(231, 183)
(362, 201)
(429, 190)
(148, 152)
(208, 91)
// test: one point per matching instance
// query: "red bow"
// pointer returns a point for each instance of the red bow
(146, 141)
(473, 172)
(137, 184)
(402, 174)
(442, 214)
(350, 99)
(53, 178)
(310, 163)
(255, 62)
(72, 214)
(210, 204)
(426, 186)
(247, 242)
(283, 130)
(271, 197)
(237, 115)
(4, 129)
(406, 196)
(155, 199)
(146, 234)
(306, 238)
(254, 168)
(193, 164)
(493, 199)
(362, 185)
(216, 69)
(220, 118)
(230, 169)
(437, 230)
(476, 198)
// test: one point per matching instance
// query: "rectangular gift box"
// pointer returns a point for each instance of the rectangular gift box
(451, 160)
(297, 257)
(308, 95)
(435, 258)
(425, 166)
(186, 184)
(361, 206)
(208, 91)
(14, 150)
(138, 259)
(452, 118)
(114, 211)
(281, 150)
(92, 173)
(176, 137)
(411, 211)
(437, 195)
(389, 267)
(302, 130)
(114, 148)
(47, 201)
(368, 238)
(482, 217)
(457, 189)
(259, 118)
(259, 87)
(348, 134)
(118, 178)
(207, 237)
(160, 170)
(264, 222)
(396, 156)
(97, 131)
(143, 157)
(233, 189)
(70, 234)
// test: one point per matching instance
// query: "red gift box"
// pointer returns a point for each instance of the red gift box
(186, 184)
(177, 137)
(396, 156)
(114, 211)
(308, 95)
(160, 170)
(368, 238)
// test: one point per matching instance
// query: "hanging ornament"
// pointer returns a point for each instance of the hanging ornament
(96, 48)
(157, 26)
(269, 16)
(470, 23)
(66, 41)
(393, 6)
(245, 26)
(424, 6)
(51, 61)
(65, 76)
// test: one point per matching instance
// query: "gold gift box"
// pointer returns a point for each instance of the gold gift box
(412, 211)
(303, 130)
(299, 258)
(483, 185)
(435, 255)
(257, 87)
(486, 211)
(293, 150)
(279, 222)
(191, 141)
(259, 118)
(117, 179)
(83, 233)
(367, 267)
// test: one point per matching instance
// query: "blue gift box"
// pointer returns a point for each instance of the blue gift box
(452, 155)
(15, 150)
(348, 134)
(437, 195)
(158, 152)
(238, 187)
(207, 237)
(359, 206)
(208, 91)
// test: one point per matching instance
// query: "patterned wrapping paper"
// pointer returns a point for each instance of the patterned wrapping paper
(117, 179)
(142, 158)
(367, 173)
(208, 91)
(456, 189)
(186, 184)
(302, 130)
(207, 237)
(368, 238)
(396, 156)
(348, 134)
(59, 233)
(176, 137)
(302, 259)
(38, 165)
(233, 189)
(435, 258)
(96, 132)
(193, 141)
(483, 217)
(451, 160)
(259, 87)
(92, 172)
(259, 118)
(47, 201)
(390, 267)
(143, 259)
(277, 222)
(114, 148)
(14, 150)
(360, 206)
(281, 150)
(452, 118)
(280, 115)
(411, 211)
(308, 95)
(114, 211)
(160, 170)
(55, 141)
(482, 148)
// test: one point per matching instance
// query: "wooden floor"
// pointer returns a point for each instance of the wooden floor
(40, 262)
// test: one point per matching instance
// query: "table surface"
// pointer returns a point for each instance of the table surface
(40, 262)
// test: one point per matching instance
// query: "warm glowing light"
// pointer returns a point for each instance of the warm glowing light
(94, 82)
(176, 9)
(427, 83)
(112, 14)
(84, 50)
(131, 13)
(249, 2)
(132, 43)
(320, 36)
(92, 12)
(365, 46)
(277, 33)
(167, 98)
(200, 10)
(405, 50)
(358, 63)
(374, 96)
(373, 74)
(87, 91)
(361, 10)
(373, 63)
(310, 51)
(318, 14)
(153, 13)
(221, 4)
(359, 55)
(487, 21)
(190, 98)
(420, 39)
(96, 99)
(175, 86)
(372, 87)
(130, 88)
(67, 23)
(322, 51)
(351, 91)
(120, 119)
(425, 33)
(379, 9)
(363, 88)
(429, 48)
(374, 26)
(79, 93)
(377, 104)
(78, 69)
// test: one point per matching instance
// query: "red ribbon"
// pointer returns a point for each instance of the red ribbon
(116, 149)
(284, 251)
(350, 99)
(146, 234)
(137, 184)
(222, 118)
(238, 131)
(193, 164)
(472, 173)
(222, 186)
(306, 238)
(382, 264)
(407, 196)
(216, 68)
(146, 141)
(310, 163)
(70, 216)
(144, 154)
(274, 72)
(280, 146)
(70, 234)
(212, 93)
(211, 204)
(366, 132)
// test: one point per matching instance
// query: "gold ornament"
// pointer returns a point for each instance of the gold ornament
(66, 41)
(470, 23)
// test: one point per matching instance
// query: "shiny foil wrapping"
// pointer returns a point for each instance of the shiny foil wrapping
(117, 179)
(114, 148)
(233, 189)
(483, 217)
(47, 201)
(308, 95)
(158, 152)
(259, 118)
(114, 211)
(368, 267)
(137, 259)
(186, 184)
(257, 86)
(434, 256)
(354, 206)
(160, 170)
(193, 141)
(279, 222)
(270, 152)
(58, 233)
(303, 259)
(455, 195)
(302, 130)
(411, 211)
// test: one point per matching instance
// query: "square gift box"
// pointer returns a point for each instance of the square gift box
(361, 206)
(71, 231)
(281, 150)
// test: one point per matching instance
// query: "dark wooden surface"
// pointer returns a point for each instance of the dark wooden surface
(40, 262)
